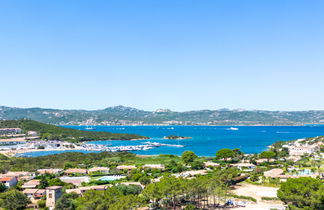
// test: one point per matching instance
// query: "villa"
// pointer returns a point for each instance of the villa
(126, 167)
(49, 171)
(82, 190)
(9, 181)
(154, 166)
(273, 173)
(104, 170)
(12, 141)
(35, 194)
(31, 184)
(5, 131)
(244, 165)
(77, 181)
(211, 164)
(19, 173)
(263, 160)
(72, 171)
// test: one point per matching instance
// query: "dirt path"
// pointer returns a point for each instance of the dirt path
(257, 191)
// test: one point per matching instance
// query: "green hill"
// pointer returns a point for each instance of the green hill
(121, 115)
(52, 132)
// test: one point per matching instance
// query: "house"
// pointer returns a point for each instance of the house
(126, 167)
(31, 184)
(263, 160)
(77, 181)
(154, 166)
(301, 149)
(9, 181)
(244, 165)
(32, 133)
(5, 131)
(35, 194)
(210, 164)
(191, 173)
(103, 170)
(52, 195)
(12, 141)
(82, 190)
(273, 173)
(25, 178)
(19, 173)
(49, 171)
(72, 171)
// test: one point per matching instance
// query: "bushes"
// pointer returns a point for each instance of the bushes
(243, 197)
(269, 198)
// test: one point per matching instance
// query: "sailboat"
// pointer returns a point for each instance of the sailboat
(90, 128)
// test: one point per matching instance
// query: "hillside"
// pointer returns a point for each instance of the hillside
(52, 132)
(121, 115)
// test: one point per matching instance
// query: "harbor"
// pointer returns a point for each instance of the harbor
(46, 146)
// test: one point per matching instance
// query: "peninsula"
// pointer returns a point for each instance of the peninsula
(24, 129)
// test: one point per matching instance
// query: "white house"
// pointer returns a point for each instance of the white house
(9, 181)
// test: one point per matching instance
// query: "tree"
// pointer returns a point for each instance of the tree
(13, 200)
(66, 201)
(224, 154)
(145, 180)
(302, 193)
(188, 157)
(2, 188)
(197, 165)
(268, 155)
(43, 183)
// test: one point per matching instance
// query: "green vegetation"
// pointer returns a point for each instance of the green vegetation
(77, 159)
(13, 200)
(120, 114)
(188, 157)
(243, 197)
(268, 155)
(225, 154)
(269, 198)
(52, 132)
(302, 193)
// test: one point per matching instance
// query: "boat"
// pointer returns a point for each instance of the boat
(90, 128)
(232, 129)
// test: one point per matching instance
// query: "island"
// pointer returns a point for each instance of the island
(173, 137)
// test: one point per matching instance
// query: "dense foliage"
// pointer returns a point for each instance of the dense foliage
(52, 132)
(13, 200)
(302, 193)
(77, 159)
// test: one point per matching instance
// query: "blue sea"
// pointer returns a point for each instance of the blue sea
(205, 140)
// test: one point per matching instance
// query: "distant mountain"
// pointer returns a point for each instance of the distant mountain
(121, 115)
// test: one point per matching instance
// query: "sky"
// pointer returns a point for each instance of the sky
(149, 54)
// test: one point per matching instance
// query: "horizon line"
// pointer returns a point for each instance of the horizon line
(169, 110)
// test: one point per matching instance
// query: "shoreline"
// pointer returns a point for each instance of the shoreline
(254, 125)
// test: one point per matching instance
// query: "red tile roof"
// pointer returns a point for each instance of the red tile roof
(6, 179)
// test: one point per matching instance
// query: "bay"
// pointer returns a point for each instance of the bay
(205, 140)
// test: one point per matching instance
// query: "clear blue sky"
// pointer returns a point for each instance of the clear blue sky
(177, 54)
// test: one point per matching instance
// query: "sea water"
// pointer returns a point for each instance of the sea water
(205, 140)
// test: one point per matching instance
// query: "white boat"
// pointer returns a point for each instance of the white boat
(90, 128)
(233, 129)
